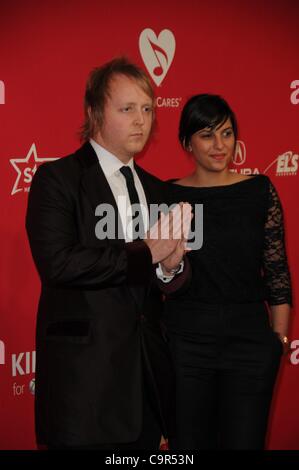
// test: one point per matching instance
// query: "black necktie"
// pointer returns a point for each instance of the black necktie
(134, 198)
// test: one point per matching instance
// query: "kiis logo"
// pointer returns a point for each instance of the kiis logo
(2, 92)
(157, 52)
(23, 364)
(25, 168)
(286, 164)
(2, 353)
(295, 94)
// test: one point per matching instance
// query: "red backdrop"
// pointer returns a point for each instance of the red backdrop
(247, 51)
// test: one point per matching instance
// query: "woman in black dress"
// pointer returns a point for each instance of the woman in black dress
(228, 327)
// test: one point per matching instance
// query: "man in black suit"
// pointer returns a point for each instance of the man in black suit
(103, 377)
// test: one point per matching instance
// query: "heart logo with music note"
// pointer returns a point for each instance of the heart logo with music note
(157, 52)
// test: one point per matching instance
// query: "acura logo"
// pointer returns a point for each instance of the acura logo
(240, 153)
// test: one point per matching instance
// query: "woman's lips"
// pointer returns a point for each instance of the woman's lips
(218, 157)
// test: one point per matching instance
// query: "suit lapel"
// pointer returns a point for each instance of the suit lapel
(95, 184)
(97, 189)
(150, 194)
(152, 191)
(141, 176)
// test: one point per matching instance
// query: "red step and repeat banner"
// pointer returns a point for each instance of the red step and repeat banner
(246, 51)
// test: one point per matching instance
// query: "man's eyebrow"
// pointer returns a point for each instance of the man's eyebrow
(134, 102)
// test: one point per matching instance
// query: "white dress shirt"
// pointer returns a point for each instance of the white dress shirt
(111, 165)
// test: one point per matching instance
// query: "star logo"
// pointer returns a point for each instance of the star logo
(26, 168)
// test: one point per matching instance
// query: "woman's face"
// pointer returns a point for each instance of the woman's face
(213, 149)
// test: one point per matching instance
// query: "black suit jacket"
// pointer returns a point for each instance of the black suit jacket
(98, 324)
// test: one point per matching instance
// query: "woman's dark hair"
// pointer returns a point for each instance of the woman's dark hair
(203, 111)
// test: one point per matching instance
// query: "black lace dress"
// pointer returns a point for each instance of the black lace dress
(225, 353)
(243, 257)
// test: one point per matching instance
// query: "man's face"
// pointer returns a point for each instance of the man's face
(128, 118)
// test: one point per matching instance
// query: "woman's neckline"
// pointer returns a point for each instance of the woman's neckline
(250, 178)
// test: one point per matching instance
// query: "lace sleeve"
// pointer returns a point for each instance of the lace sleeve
(275, 264)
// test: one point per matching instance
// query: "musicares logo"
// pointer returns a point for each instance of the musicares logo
(157, 52)
(25, 168)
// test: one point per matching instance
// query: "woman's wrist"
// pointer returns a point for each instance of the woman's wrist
(285, 341)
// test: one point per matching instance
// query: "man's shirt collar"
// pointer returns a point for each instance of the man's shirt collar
(110, 163)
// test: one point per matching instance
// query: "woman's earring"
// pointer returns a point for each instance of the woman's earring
(189, 148)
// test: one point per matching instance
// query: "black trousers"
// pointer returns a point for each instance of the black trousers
(149, 438)
(226, 359)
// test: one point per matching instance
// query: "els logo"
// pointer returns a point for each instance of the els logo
(286, 164)
(157, 52)
(25, 168)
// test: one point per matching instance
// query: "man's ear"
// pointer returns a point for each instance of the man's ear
(93, 121)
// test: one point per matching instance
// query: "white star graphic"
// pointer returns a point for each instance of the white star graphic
(31, 161)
